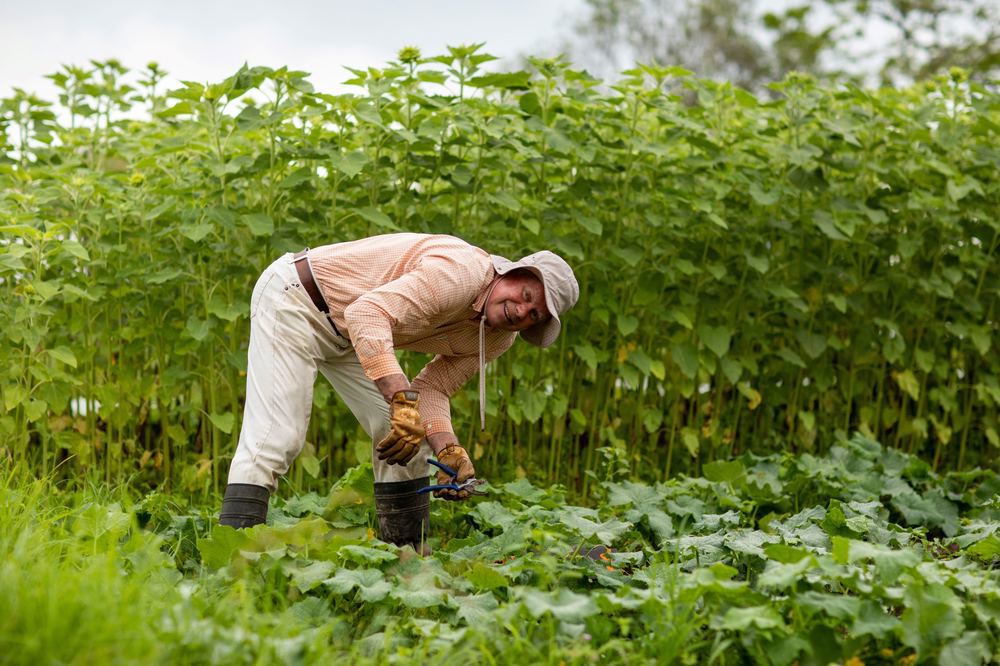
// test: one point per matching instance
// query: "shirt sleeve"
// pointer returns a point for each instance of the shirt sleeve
(419, 297)
(442, 377)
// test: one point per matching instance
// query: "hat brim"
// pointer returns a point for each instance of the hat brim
(543, 335)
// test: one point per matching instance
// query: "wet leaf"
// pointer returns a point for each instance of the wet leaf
(972, 647)
(606, 532)
(376, 217)
(477, 610)
(873, 620)
(196, 232)
(259, 224)
(627, 325)
(791, 357)
(485, 578)
(933, 617)
(562, 604)
(224, 541)
(716, 338)
(812, 343)
(723, 471)
(370, 584)
(686, 358)
(366, 555)
(908, 382)
(350, 164)
(63, 355)
(783, 576)
(223, 421)
(757, 617)
(34, 409)
(307, 576)
(522, 489)
(74, 248)
(889, 563)
(164, 275)
(198, 328)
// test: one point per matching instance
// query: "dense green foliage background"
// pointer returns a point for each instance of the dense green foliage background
(756, 275)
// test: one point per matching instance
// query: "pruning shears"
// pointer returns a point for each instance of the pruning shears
(468, 485)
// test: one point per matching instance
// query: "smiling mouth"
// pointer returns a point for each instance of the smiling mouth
(507, 316)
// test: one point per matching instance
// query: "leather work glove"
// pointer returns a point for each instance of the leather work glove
(457, 458)
(406, 433)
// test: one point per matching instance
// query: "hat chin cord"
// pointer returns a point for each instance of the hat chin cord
(482, 354)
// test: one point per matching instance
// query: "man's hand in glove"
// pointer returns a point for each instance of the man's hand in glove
(457, 458)
(406, 433)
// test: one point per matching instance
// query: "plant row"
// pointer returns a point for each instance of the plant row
(863, 555)
(756, 275)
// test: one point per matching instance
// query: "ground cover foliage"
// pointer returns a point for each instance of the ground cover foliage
(756, 275)
(860, 556)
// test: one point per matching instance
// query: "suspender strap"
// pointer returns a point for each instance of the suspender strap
(304, 269)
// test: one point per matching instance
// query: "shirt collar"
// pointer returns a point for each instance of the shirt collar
(480, 303)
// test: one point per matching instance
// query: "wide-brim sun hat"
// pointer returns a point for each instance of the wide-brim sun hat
(559, 283)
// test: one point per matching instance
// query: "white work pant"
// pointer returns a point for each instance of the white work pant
(289, 341)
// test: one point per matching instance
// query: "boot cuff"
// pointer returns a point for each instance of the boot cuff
(244, 505)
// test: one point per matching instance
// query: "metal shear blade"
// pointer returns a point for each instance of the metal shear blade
(468, 485)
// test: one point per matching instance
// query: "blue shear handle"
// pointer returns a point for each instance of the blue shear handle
(440, 486)
(444, 468)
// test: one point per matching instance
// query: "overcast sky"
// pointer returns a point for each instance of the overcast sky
(208, 40)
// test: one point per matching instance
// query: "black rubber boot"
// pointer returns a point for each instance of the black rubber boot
(403, 513)
(244, 505)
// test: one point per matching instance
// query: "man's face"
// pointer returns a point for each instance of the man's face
(517, 302)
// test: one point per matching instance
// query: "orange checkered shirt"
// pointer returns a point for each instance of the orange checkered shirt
(418, 292)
